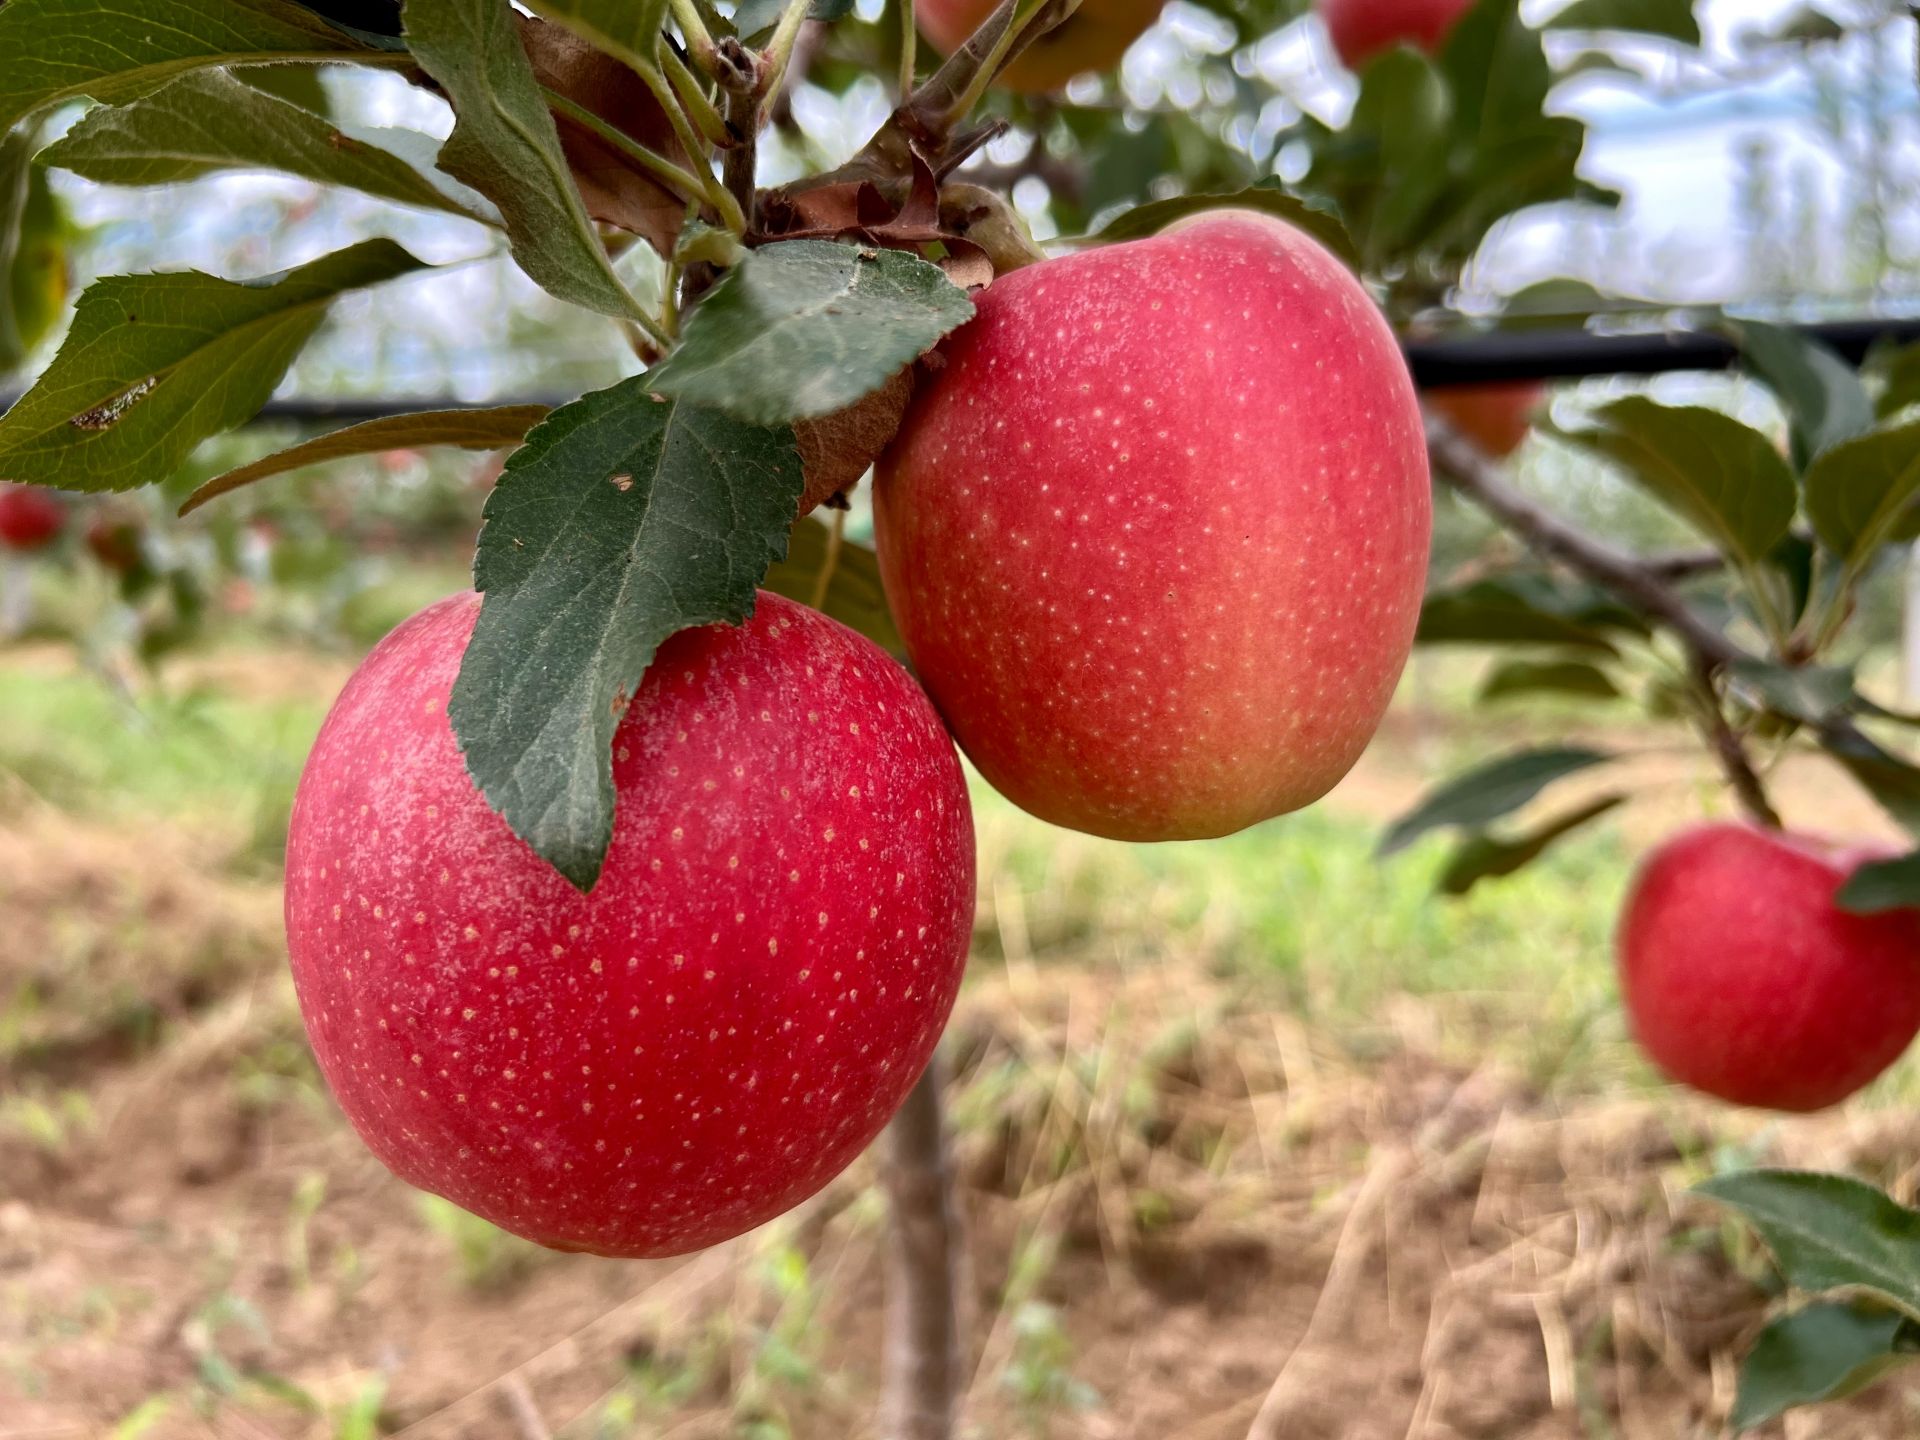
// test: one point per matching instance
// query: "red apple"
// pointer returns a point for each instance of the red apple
(1361, 29)
(30, 519)
(114, 537)
(1094, 37)
(1156, 532)
(1743, 978)
(723, 1023)
(1497, 418)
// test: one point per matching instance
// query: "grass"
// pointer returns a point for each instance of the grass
(1303, 905)
(1129, 1088)
(74, 742)
(1302, 909)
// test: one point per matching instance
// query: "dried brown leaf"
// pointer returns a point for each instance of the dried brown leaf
(836, 450)
(616, 190)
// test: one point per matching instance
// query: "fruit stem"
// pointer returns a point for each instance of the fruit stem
(701, 110)
(780, 46)
(1731, 753)
(699, 39)
(921, 1387)
(909, 61)
(697, 150)
(835, 539)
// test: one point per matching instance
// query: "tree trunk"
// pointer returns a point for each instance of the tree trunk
(923, 1360)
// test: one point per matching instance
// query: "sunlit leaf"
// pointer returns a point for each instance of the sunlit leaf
(154, 364)
(629, 29)
(113, 50)
(210, 121)
(1549, 677)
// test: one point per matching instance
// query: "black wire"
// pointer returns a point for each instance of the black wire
(1560, 354)
(1570, 354)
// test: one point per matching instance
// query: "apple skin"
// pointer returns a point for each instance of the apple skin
(1497, 418)
(1742, 978)
(723, 1023)
(1362, 29)
(1095, 37)
(30, 519)
(1155, 531)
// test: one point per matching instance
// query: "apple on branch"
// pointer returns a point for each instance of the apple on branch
(1095, 37)
(1156, 533)
(1744, 979)
(30, 519)
(1497, 418)
(723, 1023)
(1362, 29)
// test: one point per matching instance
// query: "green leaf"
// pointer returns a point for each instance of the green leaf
(1827, 1351)
(1524, 609)
(854, 596)
(1829, 1232)
(1482, 856)
(113, 50)
(504, 145)
(154, 364)
(804, 328)
(211, 121)
(1891, 781)
(1822, 395)
(1498, 72)
(1810, 694)
(1860, 494)
(1267, 199)
(1668, 19)
(1403, 118)
(1487, 792)
(500, 428)
(1556, 303)
(1882, 885)
(754, 18)
(626, 29)
(624, 518)
(16, 174)
(1553, 677)
(1720, 476)
(296, 84)
(1899, 371)
(34, 293)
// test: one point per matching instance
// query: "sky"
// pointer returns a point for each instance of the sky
(1679, 145)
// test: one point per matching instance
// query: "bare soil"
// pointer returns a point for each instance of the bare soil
(1182, 1207)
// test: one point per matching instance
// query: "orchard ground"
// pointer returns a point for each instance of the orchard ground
(1254, 1110)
